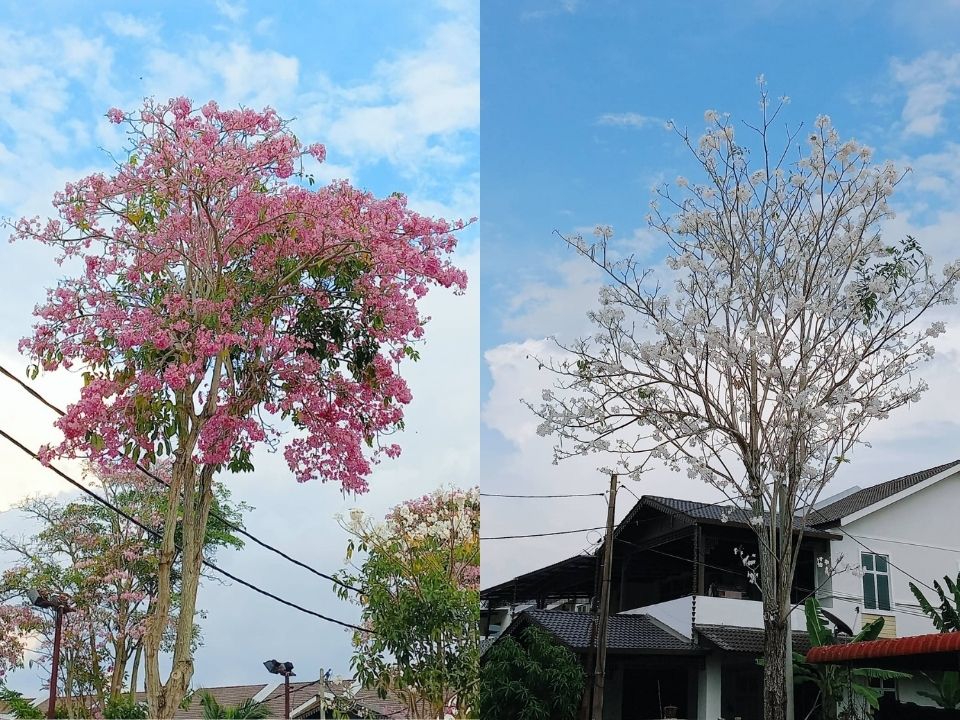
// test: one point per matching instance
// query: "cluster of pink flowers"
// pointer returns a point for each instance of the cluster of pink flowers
(211, 281)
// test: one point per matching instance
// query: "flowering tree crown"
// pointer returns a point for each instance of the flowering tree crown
(216, 293)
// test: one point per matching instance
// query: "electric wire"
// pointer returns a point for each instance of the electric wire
(233, 526)
(543, 534)
(156, 534)
(570, 495)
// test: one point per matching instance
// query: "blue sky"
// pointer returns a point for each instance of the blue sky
(575, 97)
(392, 89)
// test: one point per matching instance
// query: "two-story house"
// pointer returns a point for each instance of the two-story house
(686, 624)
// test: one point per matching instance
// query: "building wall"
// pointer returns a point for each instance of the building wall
(919, 535)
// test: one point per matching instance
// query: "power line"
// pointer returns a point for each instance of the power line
(544, 534)
(213, 513)
(156, 534)
(570, 495)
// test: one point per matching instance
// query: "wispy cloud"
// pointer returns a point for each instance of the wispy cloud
(126, 25)
(931, 81)
(234, 12)
(562, 7)
(628, 120)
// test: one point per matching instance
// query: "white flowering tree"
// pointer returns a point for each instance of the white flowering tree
(792, 324)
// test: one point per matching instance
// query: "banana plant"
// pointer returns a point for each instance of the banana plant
(946, 692)
(837, 684)
(946, 618)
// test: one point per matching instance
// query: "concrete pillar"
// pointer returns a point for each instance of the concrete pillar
(708, 695)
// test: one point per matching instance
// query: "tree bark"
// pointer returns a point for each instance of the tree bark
(774, 670)
(196, 487)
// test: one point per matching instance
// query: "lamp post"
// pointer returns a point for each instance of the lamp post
(285, 669)
(61, 605)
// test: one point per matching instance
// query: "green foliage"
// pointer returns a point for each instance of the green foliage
(247, 709)
(901, 262)
(125, 707)
(946, 688)
(832, 681)
(19, 706)
(530, 677)
(946, 618)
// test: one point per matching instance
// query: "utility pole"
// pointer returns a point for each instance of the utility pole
(286, 670)
(601, 664)
(60, 603)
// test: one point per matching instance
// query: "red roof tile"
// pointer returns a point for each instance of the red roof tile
(894, 647)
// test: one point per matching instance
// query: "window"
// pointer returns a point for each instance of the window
(884, 686)
(876, 581)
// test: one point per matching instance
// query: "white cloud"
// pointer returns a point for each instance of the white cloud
(930, 82)
(127, 25)
(234, 12)
(628, 119)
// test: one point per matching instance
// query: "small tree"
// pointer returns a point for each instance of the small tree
(421, 602)
(530, 676)
(792, 326)
(107, 565)
(216, 296)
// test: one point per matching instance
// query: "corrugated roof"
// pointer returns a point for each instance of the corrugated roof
(744, 639)
(874, 494)
(728, 514)
(634, 632)
(893, 647)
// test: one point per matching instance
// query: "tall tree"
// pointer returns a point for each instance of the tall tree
(107, 566)
(792, 325)
(216, 297)
(421, 580)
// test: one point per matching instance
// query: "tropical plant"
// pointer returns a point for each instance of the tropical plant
(247, 709)
(838, 688)
(946, 689)
(946, 617)
(530, 676)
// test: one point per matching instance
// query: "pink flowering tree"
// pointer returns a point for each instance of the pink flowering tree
(782, 325)
(217, 295)
(421, 577)
(107, 565)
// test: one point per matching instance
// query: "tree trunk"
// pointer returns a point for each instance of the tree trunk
(135, 672)
(774, 670)
(196, 486)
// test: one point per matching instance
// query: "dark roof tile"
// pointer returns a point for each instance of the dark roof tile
(743, 639)
(874, 494)
(636, 632)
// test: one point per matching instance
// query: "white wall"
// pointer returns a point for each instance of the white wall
(920, 535)
(712, 611)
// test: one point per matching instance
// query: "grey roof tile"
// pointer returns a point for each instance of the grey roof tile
(868, 496)
(743, 639)
(634, 632)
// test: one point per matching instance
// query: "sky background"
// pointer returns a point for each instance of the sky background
(392, 89)
(575, 98)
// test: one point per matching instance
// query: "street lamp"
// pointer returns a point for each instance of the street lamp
(285, 669)
(61, 604)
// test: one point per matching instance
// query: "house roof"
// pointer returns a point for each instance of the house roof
(573, 577)
(305, 698)
(850, 504)
(927, 652)
(227, 696)
(635, 633)
(743, 639)
(709, 513)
